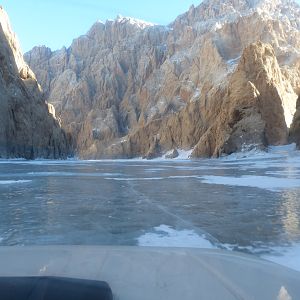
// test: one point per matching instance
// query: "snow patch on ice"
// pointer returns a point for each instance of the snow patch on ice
(283, 150)
(166, 236)
(183, 154)
(287, 256)
(134, 179)
(9, 182)
(273, 184)
(271, 153)
(153, 178)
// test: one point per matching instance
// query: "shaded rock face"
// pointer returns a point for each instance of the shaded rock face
(128, 88)
(28, 128)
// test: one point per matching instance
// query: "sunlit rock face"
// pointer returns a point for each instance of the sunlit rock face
(295, 129)
(27, 127)
(129, 88)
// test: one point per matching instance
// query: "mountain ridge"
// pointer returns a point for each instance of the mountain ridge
(120, 77)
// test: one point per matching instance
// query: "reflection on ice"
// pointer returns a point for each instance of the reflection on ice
(290, 210)
(62, 174)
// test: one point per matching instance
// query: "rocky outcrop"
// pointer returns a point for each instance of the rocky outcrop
(28, 127)
(295, 128)
(246, 112)
(128, 88)
(251, 113)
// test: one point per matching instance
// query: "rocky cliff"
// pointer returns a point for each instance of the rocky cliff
(129, 88)
(295, 129)
(243, 113)
(27, 127)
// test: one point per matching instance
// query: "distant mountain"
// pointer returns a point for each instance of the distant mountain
(223, 77)
(28, 128)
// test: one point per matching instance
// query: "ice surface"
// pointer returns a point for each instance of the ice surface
(151, 170)
(173, 194)
(165, 236)
(42, 162)
(273, 184)
(62, 174)
(153, 178)
(290, 173)
(135, 179)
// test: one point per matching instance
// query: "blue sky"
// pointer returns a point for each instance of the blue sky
(55, 23)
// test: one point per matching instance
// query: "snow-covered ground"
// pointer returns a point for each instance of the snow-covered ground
(165, 236)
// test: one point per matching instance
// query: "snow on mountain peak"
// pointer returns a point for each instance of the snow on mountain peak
(248, 4)
(133, 21)
(211, 12)
(221, 8)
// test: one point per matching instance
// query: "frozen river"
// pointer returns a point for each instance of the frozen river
(249, 204)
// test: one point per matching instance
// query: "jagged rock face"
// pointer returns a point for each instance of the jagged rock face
(27, 127)
(97, 86)
(246, 112)
(128, 88)
(252, 113)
